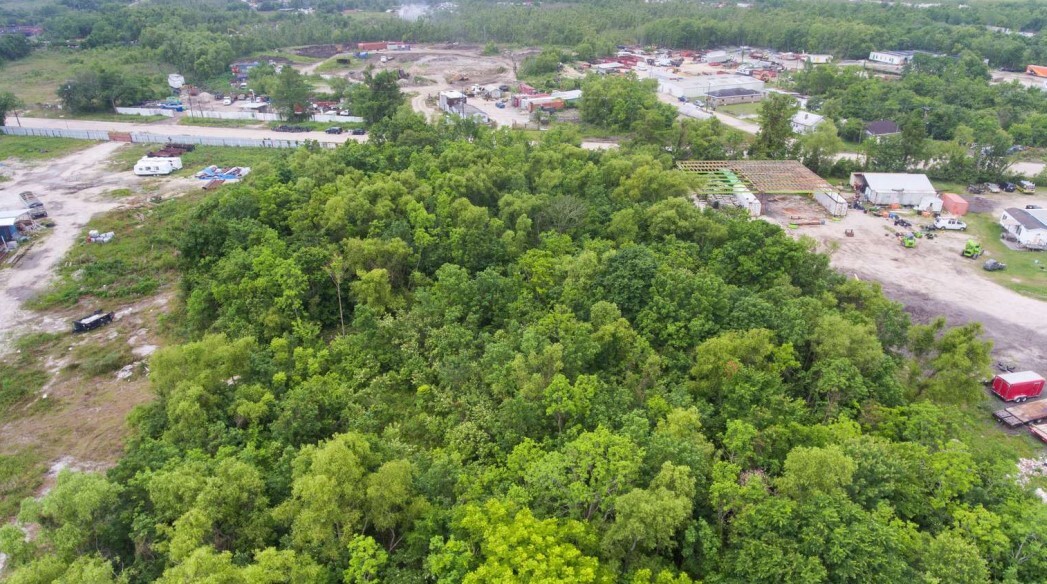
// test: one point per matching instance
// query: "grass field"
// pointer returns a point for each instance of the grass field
(97, 116)
(36, 78)
(1026, 271)
(740, 109)
(36, 148)
(193, 162)
(216, 123)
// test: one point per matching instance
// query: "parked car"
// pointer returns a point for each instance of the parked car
(1033, 207)
(1010, 187)
(499, 105)
(95, 320)
(333, 130)
(358, 131)
(975, 189)
(1026, 187)
(992, 187)
(286, 128)
(950, 224)
(227, 101)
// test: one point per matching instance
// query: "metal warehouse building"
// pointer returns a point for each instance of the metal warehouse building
(693, 87)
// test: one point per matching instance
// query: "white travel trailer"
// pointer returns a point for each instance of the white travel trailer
(157, 166)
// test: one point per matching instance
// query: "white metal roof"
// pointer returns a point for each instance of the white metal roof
(807, 118)
(452, 94)
(1021, 376)
(13, 213)
(892, 181)
(7, 221)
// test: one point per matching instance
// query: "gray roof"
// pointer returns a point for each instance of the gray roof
(882, 128)
(733, 92)
(1027, 219)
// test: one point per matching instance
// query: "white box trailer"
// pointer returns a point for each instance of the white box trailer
(147, 166)
(833, 202)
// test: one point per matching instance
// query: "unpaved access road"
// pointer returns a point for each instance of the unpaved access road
(167, 129)
(73, 189)
(933, 280)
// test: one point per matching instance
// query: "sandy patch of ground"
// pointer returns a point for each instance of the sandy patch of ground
(933, 279)
(73, 189)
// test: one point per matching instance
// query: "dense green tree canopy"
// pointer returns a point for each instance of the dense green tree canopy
(456, 355)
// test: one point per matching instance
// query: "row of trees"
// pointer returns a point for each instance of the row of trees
(453, 354)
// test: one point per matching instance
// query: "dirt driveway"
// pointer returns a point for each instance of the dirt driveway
(934, 280)
(73, 189)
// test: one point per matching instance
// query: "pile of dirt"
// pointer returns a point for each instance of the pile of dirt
(321, 51)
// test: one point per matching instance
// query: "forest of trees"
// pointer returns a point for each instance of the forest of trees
(453, 354)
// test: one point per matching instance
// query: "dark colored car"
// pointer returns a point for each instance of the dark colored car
(1010, 187)
(333, 130)
(358, 131)
(95, 320)
(286, 128)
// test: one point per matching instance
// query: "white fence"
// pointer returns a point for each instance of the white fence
(56, 133)
(145, 111)
(149, 138)
(213, 115)
(341, 119)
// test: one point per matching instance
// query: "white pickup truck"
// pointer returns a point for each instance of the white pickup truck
(950, 224)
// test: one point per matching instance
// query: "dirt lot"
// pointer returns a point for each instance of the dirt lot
(932, 279)
(73, 189)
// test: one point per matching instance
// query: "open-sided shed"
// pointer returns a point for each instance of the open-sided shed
(762, 177)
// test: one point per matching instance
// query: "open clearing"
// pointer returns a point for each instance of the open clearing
(933, 280)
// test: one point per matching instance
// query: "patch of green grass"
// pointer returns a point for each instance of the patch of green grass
(139, 260)
(125, 158)
(319, 126)
(94, 359)
(217, 123)
(20, 475)
(740, 109)
(98, 116)
(17, 381)
(36, 148)
(36, 78)
(120, 193)
(224, 156)
(4, 178)
(1026, 271)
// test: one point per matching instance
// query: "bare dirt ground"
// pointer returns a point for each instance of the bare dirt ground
(73, 189)
(76, 421)
(932, 279)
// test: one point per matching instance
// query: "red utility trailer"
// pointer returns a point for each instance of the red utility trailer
(1018, 386)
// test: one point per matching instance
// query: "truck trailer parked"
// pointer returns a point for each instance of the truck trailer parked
(1018, 386)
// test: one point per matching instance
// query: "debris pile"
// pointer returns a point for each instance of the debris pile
(227, 174)
(1029, 468)
(94, 236)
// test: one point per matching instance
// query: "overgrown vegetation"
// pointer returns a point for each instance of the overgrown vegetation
(36, 148)
(1026, 271)
(140, 258)
(20, 475)
(455, 355)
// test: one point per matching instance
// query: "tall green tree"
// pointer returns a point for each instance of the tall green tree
(290, 94)
(776, 130)
(8, 103)
(379, 97)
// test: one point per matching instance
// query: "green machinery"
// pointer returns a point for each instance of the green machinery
(908, 241)
(972, 250)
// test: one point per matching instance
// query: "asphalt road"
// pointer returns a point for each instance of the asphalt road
(167, 129)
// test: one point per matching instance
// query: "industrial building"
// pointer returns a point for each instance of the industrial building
(452, 102)
(896, 58)
(881, 128)
(890, 189)
(732, 96)
(694, 87)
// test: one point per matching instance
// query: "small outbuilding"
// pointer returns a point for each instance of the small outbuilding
(805, 122)
(881, 128)
(888, 188)
(1026, 226)
(719, 97)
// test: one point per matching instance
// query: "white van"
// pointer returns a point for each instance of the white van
(157, 166)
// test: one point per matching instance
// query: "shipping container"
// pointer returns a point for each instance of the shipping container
(1018, 386)
(833, 203)
(954, 204)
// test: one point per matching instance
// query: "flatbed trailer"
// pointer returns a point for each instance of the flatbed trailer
(1027, 413)
(1039, 430)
